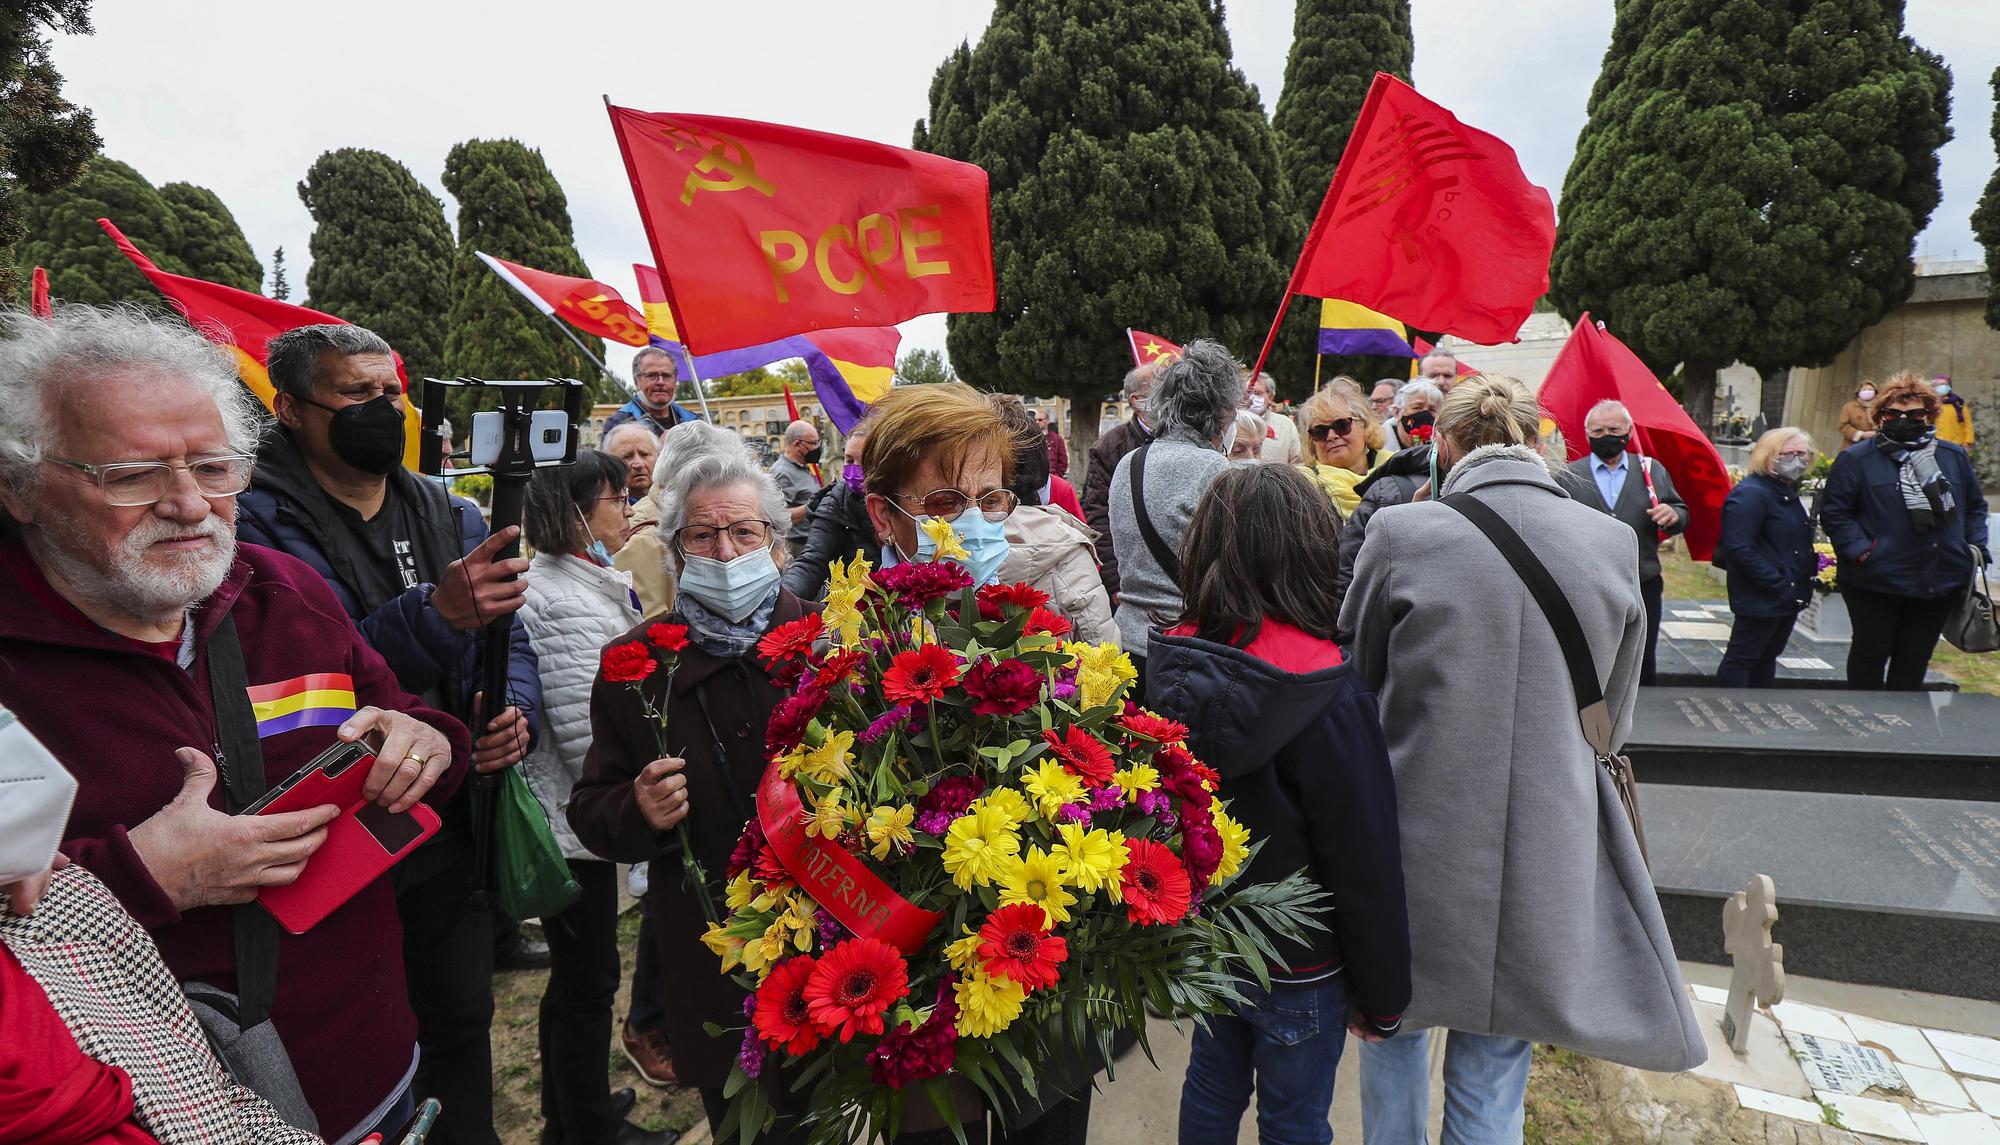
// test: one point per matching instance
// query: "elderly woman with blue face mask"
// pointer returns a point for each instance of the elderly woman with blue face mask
(934, 454)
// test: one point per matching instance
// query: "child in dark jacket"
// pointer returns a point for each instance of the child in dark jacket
(1252, 670)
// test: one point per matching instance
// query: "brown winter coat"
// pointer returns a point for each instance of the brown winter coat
(606, 817)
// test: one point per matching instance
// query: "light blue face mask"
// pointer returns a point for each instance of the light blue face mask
(596, 550)
(985, 543)
(732, 589)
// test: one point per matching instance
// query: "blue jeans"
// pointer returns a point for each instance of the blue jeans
(1485, 1084)
(1288, 1042)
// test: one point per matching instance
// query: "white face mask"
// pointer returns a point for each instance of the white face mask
(732, 589)
(1258, 402)
(35, 799)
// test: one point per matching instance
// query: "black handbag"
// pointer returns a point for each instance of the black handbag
(1591, 710)
(1972, 627)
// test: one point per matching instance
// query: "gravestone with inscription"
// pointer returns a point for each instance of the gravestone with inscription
(1942, 745)
(1883, 890)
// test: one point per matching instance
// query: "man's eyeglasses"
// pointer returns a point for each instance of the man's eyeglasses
(659, 376)
(704, 540)
(130, 484)
(1341, 426)
(947, 504)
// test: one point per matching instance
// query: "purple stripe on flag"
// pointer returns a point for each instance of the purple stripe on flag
(303, 718)
(1383, 342)
(835, 397)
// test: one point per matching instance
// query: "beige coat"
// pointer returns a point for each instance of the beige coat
(1052, 551)
(645, 557)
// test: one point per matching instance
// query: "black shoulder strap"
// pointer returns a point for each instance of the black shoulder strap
(1590, 706)
(1156, 544)
(241, 762)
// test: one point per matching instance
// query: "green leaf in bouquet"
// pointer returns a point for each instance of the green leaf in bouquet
(1003, 1044)
(939, 1094)
(737, 1079)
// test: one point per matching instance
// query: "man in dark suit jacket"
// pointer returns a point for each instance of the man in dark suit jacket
(1651, 507)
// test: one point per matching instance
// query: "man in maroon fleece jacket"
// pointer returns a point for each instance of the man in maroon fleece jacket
(120, 567)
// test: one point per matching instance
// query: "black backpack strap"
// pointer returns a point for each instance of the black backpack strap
(1590, 706)
(241, 762)
(1155, 544)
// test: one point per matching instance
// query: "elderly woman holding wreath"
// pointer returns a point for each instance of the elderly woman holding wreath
(721, 520)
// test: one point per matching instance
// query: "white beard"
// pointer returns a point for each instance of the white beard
(123, 580)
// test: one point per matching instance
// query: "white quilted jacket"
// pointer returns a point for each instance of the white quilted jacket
(574, 609)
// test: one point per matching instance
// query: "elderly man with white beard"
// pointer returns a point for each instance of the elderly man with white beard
(126, 608)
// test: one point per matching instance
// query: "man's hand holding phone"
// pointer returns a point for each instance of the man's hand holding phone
(411, 757)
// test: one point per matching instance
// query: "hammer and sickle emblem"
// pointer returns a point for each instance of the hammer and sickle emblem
(732, 158)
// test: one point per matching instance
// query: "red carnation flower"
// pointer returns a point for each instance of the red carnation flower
(788, 720)
(747, 845)
(793, 639)
(1081, 754)
(838, 668)
(669, 637)
(628, 663)
(1149, 726)
(921, 674)
(1015, 943)
(1042, 622)
(915, 585)
(906, 1055)
(994, 597)
(1154, 884)
(1004, 689)
(784, 1016)
(769, 869)
(853, 984)
(1201, 842)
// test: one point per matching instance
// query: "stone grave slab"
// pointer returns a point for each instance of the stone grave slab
(1694, 634)
(1943, 745)
(1879, 890)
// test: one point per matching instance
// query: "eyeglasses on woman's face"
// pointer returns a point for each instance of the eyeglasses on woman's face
(1338, 427)
(947, 504)
(705, 540)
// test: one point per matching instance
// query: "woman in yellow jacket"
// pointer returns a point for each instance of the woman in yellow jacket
(1954, 423)
(1343, 441)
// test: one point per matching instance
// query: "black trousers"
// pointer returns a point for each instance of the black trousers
(576, 1011)
(1755, 643)
(648, 1010)
(1651, 591)
(1896, 633)
(448, 964)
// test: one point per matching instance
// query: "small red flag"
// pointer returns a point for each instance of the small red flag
(1594, 367)
(763, 231)
(1424, 347)
(38, 301)
(792, 408)
(1150, 347)
(584, 303)
(1429, 221)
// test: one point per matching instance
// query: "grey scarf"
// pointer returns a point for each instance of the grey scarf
(1926, 493)
(715, 634)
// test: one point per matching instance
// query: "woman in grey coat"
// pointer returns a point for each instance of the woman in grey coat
(1532, 917)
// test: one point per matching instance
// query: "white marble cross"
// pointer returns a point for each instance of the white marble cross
(1759, 976)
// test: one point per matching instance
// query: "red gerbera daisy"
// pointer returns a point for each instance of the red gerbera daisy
(1156, 728)
(783, 1018)
(919, 675)
(839, 667)
(1081, 754)
(1016, 943)
(1042, 622)
(853, 984)
(793, 639)
(669, 637)
(1154, 884)
(994, 596)
(628, 663)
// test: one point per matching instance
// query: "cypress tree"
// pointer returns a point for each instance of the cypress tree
(511, 207)
(1337, 47)
(83, 263)
(212, 246)
(1135, 182)
(1986, 219)
(45, 140)
(1750, 182)
(281, 287)
(381, 252)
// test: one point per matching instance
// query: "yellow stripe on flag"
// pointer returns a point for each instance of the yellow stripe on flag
(868, 384)
(660, 321)
(1335, 314)
(299, 701)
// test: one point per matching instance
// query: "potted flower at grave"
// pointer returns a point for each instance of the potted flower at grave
(974, 858)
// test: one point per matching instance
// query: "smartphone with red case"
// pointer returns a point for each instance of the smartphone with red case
(361, 844)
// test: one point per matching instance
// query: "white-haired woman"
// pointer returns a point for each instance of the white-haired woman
(1497, 841)
(1417, 403)
(723, 523)
(1247, 444)
(645, 551)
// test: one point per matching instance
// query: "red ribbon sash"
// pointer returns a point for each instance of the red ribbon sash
(834, 878)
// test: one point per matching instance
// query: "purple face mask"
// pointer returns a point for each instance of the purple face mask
(852, 475)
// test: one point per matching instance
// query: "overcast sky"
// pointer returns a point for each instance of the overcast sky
(242, 95)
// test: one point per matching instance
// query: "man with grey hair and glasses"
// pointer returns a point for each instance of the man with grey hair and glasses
(416, 571)
(655, 378)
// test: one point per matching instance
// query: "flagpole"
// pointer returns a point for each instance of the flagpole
(595, 360)
(695, 376)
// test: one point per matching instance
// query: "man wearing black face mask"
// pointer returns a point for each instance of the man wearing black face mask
(418, 575)
(1644, 499)
(793, 473)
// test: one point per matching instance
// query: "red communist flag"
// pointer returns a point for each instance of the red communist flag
(763, 231)
(1150, 347)
(1431, 222)
(584, 303)
(1595, 367)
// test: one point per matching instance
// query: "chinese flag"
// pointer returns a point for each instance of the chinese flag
(1430, 221)
(1150, 347)
(584, 303)
(1594, 367)
(763, 231)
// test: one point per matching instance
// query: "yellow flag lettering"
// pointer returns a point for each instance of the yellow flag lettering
(790, 263)
(912, 264)
(833, 282)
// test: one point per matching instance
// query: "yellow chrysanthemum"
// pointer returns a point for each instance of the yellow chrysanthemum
(828, 762)
(1235, 847)
(944, 538)
(1039, 878)
(727, 947)
(1007, 801)
(963, 955)
(1052, 786)
(1134, 780)
(889, 829)
(829, 817)
(1093, 858)
(977, 846)
(986, 1004)
(845, 586)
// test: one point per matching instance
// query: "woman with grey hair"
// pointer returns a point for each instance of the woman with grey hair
(722, 521)
(645, 551)
(1417, 403)
(1157, 486)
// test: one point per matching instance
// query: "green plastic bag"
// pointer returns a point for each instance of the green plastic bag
(531, 878)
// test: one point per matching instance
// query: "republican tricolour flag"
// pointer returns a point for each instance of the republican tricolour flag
(1350, 328)
(243, 322)
(584, 303)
